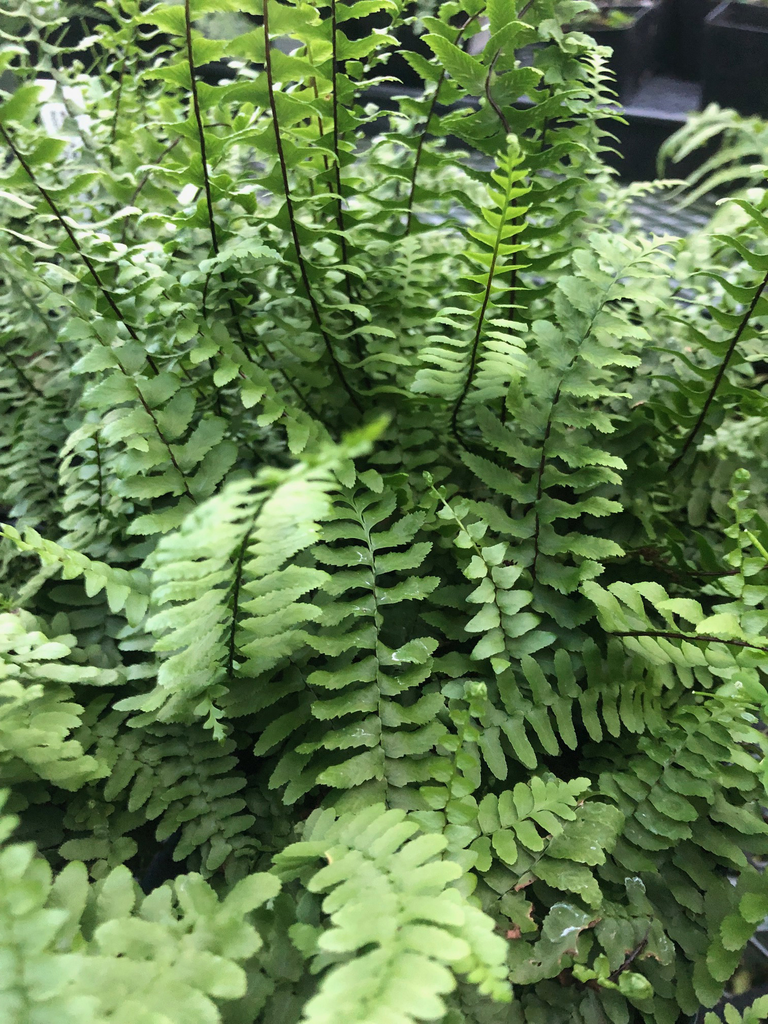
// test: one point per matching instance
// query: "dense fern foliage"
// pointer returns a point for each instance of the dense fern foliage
(384, 599)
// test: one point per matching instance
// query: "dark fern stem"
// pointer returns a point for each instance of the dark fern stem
(489, 95)
(337, 167)
(475, 348)
(320, 132)
(78, 248)
(145, 181)
(118, 100)
(337, 174)
(99, 477)
(292, 219)
(149, 411)
(486, 298)
(35, 312)
(23, 377)
(513, 272)
(540, 480)
(425, 132)
(705, 637)
(236, 602)
(720, 373)
(199, 122)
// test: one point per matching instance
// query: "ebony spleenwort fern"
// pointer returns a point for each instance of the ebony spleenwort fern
(466, 699)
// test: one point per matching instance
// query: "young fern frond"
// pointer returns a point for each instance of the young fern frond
(379, 871)
(502, 241)
(487, 294)
(224, 603)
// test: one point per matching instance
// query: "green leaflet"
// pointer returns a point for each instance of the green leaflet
(751, 1015)
(519, 811)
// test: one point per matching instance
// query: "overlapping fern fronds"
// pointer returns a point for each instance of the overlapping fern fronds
(377, 641)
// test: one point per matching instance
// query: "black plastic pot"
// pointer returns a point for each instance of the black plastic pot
(635, 46)
(666, 40)
(687, 37)
(735, 58)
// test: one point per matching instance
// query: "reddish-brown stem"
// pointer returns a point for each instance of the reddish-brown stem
(118, 98)
(540, 479)
(337, 166)
(337, 169)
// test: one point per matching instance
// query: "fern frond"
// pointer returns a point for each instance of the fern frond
(751, 303)
(126, 592)
(188, 783)
(372, 655)
(108, 953)
(487, 296)
(234, 545)
(742, 155)
(39, 720)
(388, 888)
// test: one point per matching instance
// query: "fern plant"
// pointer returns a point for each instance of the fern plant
(738, 160)
(377, 641)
